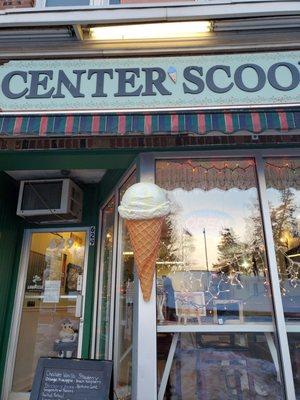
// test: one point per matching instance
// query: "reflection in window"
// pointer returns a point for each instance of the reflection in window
(283, 190)
(107, 235)
(212, 264)
(212, 276)
(294, 346)
(124, 306)
(219, 367)
(283, 183)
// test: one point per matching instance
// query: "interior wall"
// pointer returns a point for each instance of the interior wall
(10, 245)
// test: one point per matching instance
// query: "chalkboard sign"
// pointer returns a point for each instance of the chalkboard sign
(72, 379)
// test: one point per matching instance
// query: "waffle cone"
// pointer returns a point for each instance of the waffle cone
(145, 240)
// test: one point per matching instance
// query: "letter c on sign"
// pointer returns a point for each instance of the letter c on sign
(6, 85)
(210, 79)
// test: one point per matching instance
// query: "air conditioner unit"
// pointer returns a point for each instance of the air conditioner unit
(50, 201)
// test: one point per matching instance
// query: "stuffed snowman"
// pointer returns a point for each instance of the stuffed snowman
(67, 333)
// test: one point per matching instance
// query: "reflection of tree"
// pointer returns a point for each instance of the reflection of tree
(237, 258)
(177, 244)
(283, 221)
(282, 217)
(230, 250)
(285, 237)
(284, 229)
(255, 241)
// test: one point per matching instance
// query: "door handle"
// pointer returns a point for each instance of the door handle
(78, 309)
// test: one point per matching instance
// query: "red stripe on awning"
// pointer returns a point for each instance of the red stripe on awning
(201, 123)
(148, 124)
(174, 123)
(256, 122)
(43, 126)
(95, 124)
(122, 124)
(283, 121)
(228, 123)
(69, 125)
(18, 125)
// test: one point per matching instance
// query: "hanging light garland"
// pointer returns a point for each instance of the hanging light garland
(294, 169)
(214, 166)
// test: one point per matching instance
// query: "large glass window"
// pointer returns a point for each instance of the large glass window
(214, 305)
(124, 308)
(283, 190)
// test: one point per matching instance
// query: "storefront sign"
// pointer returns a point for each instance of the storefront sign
(218, 81)
(71, 379)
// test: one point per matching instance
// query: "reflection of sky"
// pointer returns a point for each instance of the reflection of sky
(274, 197)
(213, 210)
(274, 201)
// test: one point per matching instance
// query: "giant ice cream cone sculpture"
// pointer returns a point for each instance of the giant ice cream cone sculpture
(144, 207)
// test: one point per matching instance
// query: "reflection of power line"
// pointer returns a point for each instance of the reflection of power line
(205, 246)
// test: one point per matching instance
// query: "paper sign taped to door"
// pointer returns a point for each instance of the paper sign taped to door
(51, 292)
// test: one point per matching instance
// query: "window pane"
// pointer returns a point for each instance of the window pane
(67, 3)
(213, 250)
(294, 345)
(283, 190)
(212, 277)
(219, 367)
(145, 1)
(107, 238)
(124, 310)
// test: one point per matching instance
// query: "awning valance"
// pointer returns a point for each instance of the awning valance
(254, 122)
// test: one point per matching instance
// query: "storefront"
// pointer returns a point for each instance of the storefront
(221, 135)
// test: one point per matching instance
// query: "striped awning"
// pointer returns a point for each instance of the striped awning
(146, 124)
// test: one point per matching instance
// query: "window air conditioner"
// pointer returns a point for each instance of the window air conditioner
(50, 201)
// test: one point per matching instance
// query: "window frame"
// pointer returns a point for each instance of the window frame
(145, 315)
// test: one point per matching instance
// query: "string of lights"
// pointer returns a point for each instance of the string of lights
(195, 167)
(226, 166)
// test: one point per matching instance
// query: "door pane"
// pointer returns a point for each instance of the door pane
(124, 309)
(212, 277)
(106, 263)
(54, 281)
(283, 190)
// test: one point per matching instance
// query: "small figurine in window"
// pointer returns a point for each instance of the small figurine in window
(67, 333)
(66, 345)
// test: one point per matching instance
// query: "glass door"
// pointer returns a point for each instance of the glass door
(124, 308)
(51, 310)
(115, 288)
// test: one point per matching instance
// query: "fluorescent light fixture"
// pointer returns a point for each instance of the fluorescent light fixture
(164, 30)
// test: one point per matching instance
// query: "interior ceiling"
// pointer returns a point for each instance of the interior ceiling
(78, 175)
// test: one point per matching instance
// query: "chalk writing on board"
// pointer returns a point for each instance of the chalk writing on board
(58, 383)
(72, 379)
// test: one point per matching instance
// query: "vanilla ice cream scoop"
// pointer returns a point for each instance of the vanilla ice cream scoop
(144, 201)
